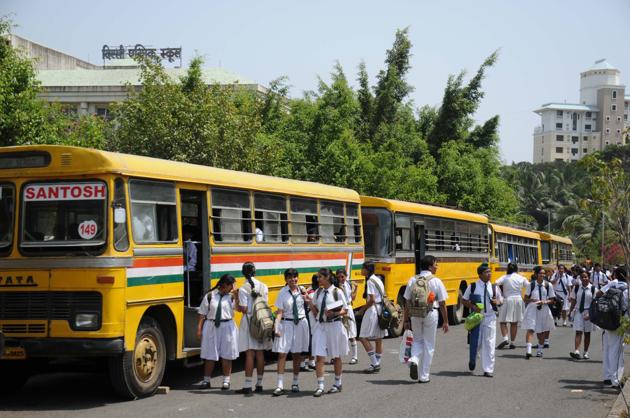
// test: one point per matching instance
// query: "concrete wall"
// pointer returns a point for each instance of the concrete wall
(47, 58)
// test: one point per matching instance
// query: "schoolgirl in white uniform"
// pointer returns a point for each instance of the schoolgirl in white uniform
(292, 333)
(538, 318)
(350, 292)
(217, 331)
(329, 337)
(253, 348)
(581, 299)
(562, 289)
(612, 344)
(598, 277)
(512, 311)
(370, 330)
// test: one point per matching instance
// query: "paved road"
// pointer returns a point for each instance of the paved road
(555, 386)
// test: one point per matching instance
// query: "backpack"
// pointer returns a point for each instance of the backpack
(606, 310)
(419, 305)
(261, 323)
(473, 286)
(389, 317)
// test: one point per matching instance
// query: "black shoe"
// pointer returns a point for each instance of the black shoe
(574, 355)
(205, 385)
(528, 356)
(278, 392)
(512, 346)
(258, 389)
(502, 345)
(335, 389)
(244, 391)
(607, 382)
(471, 365)
(413, 371)
(488, 374)
(546, 345)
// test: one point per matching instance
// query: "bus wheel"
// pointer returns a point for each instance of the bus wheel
(18, 370)
(138, 373)
(456, 312)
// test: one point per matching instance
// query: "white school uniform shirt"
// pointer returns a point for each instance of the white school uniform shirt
(512, 284)
(559, 281)
(577, 296)
(535, 295)
(330, 299)
(347, 291)
(284, 301)
(209, 308)
(245, 297)
(479, 290)
(435, 285)
(598, 279)
(372, 282)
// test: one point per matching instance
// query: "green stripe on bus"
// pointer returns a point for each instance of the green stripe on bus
(148, 280)
(274, 271)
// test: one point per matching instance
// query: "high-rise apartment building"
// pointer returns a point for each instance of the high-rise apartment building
(570, 131)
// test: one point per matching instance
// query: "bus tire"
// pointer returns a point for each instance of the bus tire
(138, 373)
(456, 312)
(18, 370)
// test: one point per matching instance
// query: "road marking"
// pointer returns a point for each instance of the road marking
(576, 391)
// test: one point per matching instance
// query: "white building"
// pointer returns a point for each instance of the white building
(569, 131)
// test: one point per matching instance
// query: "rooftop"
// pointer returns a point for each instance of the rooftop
(567, 106)
(601, 64)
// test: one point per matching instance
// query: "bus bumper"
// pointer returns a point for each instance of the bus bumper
(67, 347)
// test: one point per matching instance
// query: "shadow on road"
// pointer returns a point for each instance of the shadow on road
(391, 382)
(454, 373)
(587, 385)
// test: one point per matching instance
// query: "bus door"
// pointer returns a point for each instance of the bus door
(419, 244)
(196, 254)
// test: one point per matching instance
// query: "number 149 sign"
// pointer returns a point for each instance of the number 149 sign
(88, 229)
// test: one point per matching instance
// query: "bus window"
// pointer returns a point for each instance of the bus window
(403, 232)
(121, 238)
(377, 229)
(153, 211)
(304, 222)
(7, 212)
(332, 224)
(353, 226)
(64, 217)
(271, 218)
(231, 216)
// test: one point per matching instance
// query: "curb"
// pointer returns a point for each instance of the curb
(619, 408)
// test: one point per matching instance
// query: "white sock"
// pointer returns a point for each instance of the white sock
(259, 380)
(337, 380)
(248, 383)
(529, 348)
(353, 346)
(372, 357)
(505, 338)
(226, 379)
(280, 381)
(312, 363)
(540, 347)
(207, 379)
(320, 383)
(378, 358)
(296, 379)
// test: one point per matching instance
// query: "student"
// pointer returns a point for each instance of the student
(538, 319)
(582, 296)
(424, 329)
(598, 277)
(490, 297)
(217, 331)
(370, 330)
(512, 310)
(329, 337)
(253, 348)
(291, 329)
(612, 344)
(190, 250)
(350, 292)
(562, 289)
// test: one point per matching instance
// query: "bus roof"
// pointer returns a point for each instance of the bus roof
(515, 231)
(551, 237)
(68, 161)
(422, 209)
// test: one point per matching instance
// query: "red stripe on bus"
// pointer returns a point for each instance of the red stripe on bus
(158, 262)
(261, 258)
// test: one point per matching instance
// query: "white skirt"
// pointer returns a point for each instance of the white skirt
(579, 324)
(538, 320)
(245, 340)
(293, 338)
(221, 342)
(312, 322)
(512, 310)
(330, 340)
(369, 325)
(566, 303)
(352, 324)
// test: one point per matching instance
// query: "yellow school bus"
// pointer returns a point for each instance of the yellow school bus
(398, 234)
(514, 245)
(97, 259)
(556, 250)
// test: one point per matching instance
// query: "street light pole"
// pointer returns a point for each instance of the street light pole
(603, 220)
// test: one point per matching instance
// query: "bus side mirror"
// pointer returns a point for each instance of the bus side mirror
(120, 215)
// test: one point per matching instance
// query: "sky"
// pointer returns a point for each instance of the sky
(543, 44)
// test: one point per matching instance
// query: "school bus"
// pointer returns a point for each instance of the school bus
(555, 250)
(398, 234)
(514, 245)
(94, 263)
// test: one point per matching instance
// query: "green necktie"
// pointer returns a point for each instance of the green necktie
(296, 319)
(322, 307)
(582, 299)
(485, 296)
(217, 316)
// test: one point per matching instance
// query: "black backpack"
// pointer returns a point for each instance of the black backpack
(606, 310)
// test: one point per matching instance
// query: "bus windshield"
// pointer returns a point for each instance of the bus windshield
(377, 230)
(68, 217)
(7, 211)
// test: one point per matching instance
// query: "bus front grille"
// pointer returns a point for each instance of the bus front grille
(23, 328)
(47, 305)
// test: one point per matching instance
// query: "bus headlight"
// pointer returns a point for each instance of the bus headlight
(86, 321)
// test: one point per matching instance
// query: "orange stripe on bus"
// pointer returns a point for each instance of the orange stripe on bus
(261, 258)
(158, 262)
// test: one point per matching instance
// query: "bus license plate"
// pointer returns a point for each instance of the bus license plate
(14, 353)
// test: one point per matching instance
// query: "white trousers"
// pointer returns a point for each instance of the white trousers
(424, 330)
(612, 356)
(487, 340)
